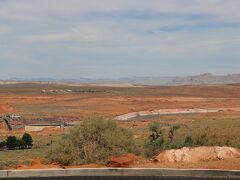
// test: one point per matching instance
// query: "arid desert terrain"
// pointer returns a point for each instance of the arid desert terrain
(45, 110)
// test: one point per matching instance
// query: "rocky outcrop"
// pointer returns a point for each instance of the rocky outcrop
(198, 154)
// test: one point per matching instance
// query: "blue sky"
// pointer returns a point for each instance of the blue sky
(118, 38)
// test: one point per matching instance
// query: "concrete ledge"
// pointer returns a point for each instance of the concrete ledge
(119, 172)
(3, 174)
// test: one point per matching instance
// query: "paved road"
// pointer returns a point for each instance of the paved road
(119, 178)
(119, 174)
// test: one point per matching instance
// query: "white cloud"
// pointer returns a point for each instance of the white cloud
(4, 30)
(83, 32)
(226, 9)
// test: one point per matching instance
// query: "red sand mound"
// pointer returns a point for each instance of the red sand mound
(37, 162)
(126, 160)
(198, 154)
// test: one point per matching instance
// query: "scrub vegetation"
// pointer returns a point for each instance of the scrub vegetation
(92, 141)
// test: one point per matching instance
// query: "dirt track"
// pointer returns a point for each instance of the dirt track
(164, 112)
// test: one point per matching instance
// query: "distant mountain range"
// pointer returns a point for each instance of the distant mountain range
(178, 80)
(153, 81)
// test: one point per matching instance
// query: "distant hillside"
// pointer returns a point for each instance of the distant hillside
(173, 81)
(153, 81)
(206, 79)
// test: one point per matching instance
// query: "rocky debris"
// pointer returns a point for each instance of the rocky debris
(198, 154)
(126, 161)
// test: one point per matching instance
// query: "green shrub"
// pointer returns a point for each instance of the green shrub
(174, 144)
(155, 141)
(201, 140)
(156, 131)
(152, 148)
(92, 141)
(8, 164)
(172, 131)
(188, 141)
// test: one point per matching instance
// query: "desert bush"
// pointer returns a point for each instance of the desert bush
(92, 141)
(156, 131)
(188, 141)
(171, 143)
(152, 148)
(155, 141)
(171, 132)
(201, 140)
(174, 144)
(7, 164)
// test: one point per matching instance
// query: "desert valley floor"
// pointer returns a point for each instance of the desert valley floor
(56, 103)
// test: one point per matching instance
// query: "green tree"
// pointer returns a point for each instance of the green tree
(27, 140)
(2, 144)
(11, 142)
(92, 141)
(21, 144)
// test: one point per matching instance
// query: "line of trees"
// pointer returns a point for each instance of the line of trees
(12, 142)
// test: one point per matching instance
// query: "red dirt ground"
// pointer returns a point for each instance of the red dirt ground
(33, 104)
(124, 161)
(5, 109)
(38, 163)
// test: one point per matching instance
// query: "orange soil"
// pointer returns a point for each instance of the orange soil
(111, 105)
(5, 109)
(233, 164)
(126, 160)
(139, 162)
(38, 164)
(83, 106)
